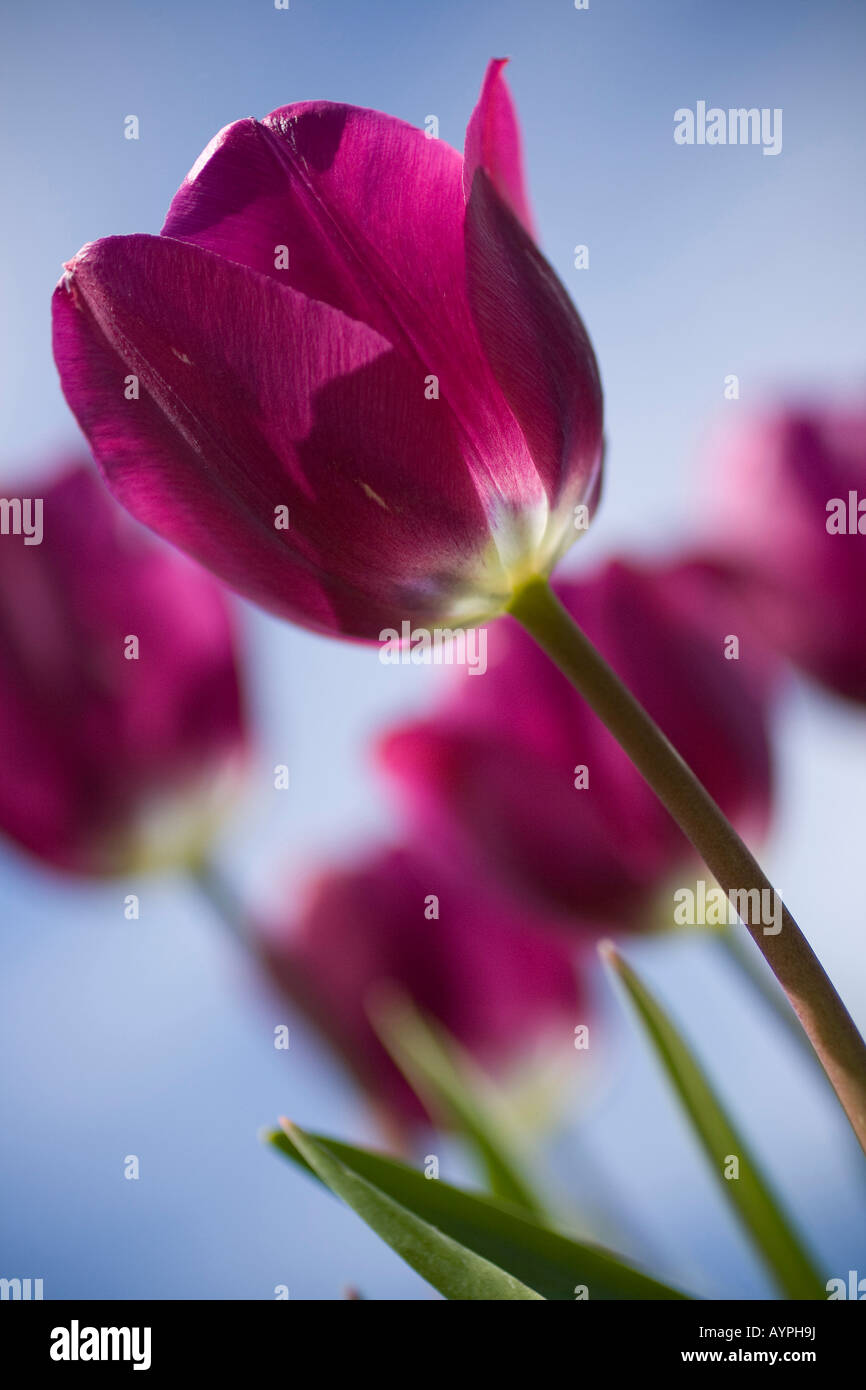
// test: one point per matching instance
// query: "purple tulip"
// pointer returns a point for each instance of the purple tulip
(498, 982)
(120, 710)
(343, 377)
(789, 513)
(518, 768)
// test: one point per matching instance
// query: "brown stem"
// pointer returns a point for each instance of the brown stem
(827, 1023)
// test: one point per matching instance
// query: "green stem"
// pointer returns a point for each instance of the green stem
(827, 1023)
(223, 902)
(293, 986)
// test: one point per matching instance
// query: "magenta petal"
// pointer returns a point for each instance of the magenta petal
(537, 346)
(493, 144)
(532, 336)
(370, 213)
(786, 522)
(253, 397)
(496, 979)
(96, 748)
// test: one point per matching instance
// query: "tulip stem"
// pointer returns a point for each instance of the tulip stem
(827, 1023)
(211, 884)
(292, 986)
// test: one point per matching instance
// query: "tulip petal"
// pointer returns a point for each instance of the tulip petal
(537, 346)
(370, 213)
(493, 144)
(803, 576)
(253, 397)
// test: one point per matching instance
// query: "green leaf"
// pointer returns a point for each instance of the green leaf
(456, 1272)
(453, 1088)
(750, 1194)
(549, 1263)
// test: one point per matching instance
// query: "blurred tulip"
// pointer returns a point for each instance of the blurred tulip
(343, 377)
(120, 713)
(517, 768)
(788, 503)
(496, 980)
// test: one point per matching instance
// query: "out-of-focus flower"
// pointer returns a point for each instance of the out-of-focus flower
(788, 505)
(517, 768)
(121, 729)
(499, 982)
(343, 377)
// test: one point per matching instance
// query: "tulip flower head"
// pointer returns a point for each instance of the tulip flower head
(121, 729)
(343, 377)
(518, 770)
(499, 982)
(788, 501)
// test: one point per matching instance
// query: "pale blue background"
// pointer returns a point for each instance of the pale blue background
(152, 1038)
